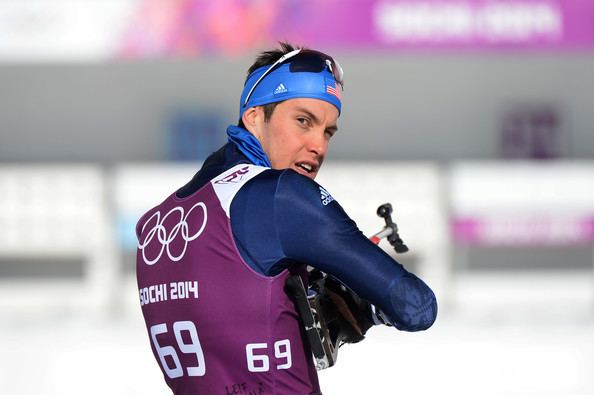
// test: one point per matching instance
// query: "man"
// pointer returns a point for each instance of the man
(214, 257)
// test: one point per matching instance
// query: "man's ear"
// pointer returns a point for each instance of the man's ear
(249, 118)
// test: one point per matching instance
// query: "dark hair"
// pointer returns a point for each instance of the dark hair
(269, 57)
(266, 58)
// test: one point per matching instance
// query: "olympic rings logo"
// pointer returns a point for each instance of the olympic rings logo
(165, 239)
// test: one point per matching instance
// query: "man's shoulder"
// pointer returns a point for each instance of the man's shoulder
(289, 186)
(286, 179)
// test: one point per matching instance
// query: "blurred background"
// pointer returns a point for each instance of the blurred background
(475, 119)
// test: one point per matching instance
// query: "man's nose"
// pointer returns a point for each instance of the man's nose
(317, 143)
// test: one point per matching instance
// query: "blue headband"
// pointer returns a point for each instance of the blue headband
(282, 84)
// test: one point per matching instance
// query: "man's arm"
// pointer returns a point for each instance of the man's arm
(294, 225)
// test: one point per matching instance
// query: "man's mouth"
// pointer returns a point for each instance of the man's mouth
(308, 168)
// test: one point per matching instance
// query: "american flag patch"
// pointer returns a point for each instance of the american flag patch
(333, 90)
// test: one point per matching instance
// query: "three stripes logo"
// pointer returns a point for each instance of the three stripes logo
(280, 89)
(325, 196)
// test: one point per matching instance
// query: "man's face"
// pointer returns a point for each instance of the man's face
(297, 134)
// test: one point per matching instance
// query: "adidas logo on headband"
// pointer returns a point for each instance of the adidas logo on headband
(280, 89)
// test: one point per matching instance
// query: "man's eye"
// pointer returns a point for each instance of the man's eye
(303, 121)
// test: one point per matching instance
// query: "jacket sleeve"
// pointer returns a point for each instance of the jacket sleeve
(312, 228)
